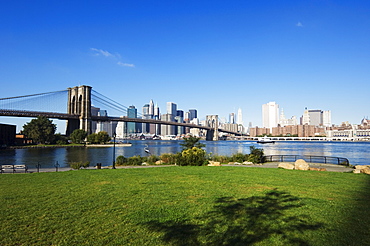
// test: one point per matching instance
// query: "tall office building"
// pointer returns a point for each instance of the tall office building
(151, 107)
(315, 117)
(326, 118)
(240, 117)
(131, 126)
(193, 114)
(232, 118)
(171, 108)
(270, 115)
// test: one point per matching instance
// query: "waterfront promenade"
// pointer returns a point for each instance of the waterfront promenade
(328, 167)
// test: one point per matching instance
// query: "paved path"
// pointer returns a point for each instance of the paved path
(329, 167)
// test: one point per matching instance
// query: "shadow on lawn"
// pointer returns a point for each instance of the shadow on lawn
(241, 222)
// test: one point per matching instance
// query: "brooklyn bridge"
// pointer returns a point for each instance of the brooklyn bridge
(75, 106)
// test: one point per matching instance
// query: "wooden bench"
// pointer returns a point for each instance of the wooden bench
(13, 168)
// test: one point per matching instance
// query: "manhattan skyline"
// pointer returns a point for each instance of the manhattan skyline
(213, 56)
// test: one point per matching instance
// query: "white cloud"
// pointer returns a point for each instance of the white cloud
(299, 24)
(116, 56)
(102, 52)
(125, 64)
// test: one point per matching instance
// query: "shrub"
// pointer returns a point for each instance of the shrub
(78, 164)
(192, 157)
(256, 155)
(168, 158)
(121, 160)
(239, 157)
(220, 158)
(136, 160)
(152, 159)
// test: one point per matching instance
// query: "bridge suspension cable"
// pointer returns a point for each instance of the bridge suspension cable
(55, 101)
(99, 98)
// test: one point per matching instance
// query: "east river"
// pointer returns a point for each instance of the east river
(358, 153)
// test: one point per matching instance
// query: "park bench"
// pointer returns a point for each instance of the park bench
(13, 168)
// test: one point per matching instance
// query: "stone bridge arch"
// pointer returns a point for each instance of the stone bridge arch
(212, 121)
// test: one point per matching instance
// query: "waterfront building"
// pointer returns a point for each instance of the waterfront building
(132, 127)
(232, 118)
(7, 134)
(193, 114)
(171, 108)
(239, 119)
(270, 115)
(326, 118)
(287, 122)
(167, 129)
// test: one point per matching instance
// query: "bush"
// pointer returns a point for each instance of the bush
(152, 159)
(78, 164)
(136, 160)
(121, 160)
(239, 157)
(168, 158)
(220, 158)
(191, 157)
(256, 155)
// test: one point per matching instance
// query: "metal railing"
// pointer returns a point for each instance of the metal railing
(308, 158)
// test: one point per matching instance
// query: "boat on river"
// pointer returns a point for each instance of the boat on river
(265, 140)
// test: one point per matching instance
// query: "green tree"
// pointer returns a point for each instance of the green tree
(256, 155)
(103, 137)
(93, 138)
(191, 142)
(41, 130)
(78, 136)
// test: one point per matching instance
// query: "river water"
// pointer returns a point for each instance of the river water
(357, 152)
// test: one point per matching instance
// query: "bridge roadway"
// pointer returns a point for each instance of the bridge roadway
(63, 116)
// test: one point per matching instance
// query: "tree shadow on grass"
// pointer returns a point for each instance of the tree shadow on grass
(241, 222)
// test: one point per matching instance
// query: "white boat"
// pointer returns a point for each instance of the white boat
(264, 140)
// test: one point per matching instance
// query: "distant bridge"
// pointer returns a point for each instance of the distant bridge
(79, 114)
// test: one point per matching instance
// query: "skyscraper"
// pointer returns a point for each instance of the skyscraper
(193, 114)
(131, 126)
(326, 118)
(232, 118)
(171, 108)
(240, 117)
(270, 115)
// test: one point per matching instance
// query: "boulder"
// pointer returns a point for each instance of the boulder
(159, 162)
(356, 170)
(322, 169)
(286, 165)
(214, 163)
(314, 169)
(247, 163)
(360, 167)
(366, 170)
(301, 164)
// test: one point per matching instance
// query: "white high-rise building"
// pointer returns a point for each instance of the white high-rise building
(240, 117)
(270, 115)
(326, 118)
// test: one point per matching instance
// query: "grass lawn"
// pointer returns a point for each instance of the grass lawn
(185, 206)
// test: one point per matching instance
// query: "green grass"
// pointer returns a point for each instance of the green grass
(185, 206)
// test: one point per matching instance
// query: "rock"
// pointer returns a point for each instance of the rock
(322, 169)
(159, 162)
(361, 166)
(286, 165)
(214, 163)
(314, 169)
(365, 170)
(301, 164)
(356, 171)
(247, 163)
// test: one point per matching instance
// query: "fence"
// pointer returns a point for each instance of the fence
(308, 158)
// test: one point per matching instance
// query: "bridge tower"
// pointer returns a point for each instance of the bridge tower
(212, 121)
(79, 102)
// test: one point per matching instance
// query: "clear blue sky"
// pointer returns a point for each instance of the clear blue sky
(215, 56)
